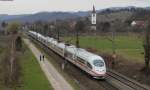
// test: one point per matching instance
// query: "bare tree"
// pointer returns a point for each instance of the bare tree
(4, 24)
(13, 27)
(79, 27)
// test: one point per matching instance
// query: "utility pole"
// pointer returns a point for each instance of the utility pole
(35, 29)
(113, 42)
(79, 26)
(58, 34)
(114, 56)
(57, 30)
(51, 30)
(77, 38)
(147, 45)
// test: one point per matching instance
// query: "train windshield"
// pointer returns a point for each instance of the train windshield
(98, 63)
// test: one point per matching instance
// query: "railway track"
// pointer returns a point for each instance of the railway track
(107, 85)
(125, 83)
(104, 84)
(131, 84)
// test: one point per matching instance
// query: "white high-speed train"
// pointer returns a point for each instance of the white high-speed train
(91, 63)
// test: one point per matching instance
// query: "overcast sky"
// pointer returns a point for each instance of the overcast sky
(33, 6)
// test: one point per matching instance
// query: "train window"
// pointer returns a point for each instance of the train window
(81, 60)
(98, 63)
(89, 65)
(68, 54)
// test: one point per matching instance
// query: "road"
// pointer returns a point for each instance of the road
(54, 77)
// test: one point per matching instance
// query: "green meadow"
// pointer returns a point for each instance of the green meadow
(127, 46)
(33, 77)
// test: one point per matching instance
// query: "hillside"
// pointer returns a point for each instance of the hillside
(123, 13)
(43, 16)
(108, 17)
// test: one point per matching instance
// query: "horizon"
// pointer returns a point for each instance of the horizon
(71, 11)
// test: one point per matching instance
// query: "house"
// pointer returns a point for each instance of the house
(138, 23)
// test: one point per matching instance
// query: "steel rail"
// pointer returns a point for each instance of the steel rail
(125, 80)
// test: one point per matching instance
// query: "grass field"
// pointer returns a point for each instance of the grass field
(126, 46)
(33, 77)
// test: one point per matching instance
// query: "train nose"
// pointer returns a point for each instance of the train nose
(100, 70)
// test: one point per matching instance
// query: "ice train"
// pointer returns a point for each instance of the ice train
(92, 64)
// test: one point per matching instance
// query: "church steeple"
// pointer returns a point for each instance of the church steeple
(93, 9)
(93, 18)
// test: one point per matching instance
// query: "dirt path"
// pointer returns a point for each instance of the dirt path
(56, 80)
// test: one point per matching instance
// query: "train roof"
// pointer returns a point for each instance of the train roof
(50, 39)
(62, 45)
(72, 49)
(90, 56)
(84, 54)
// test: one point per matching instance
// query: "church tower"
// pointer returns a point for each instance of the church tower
(93, 19)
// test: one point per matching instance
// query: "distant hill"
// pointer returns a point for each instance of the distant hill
(129, 8)
(43, 16)
(5, 17)
(108, 17)
(122, 14)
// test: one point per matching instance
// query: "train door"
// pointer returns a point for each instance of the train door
(89, 66)
(74, 57)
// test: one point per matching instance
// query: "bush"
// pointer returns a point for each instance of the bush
(18, 43)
